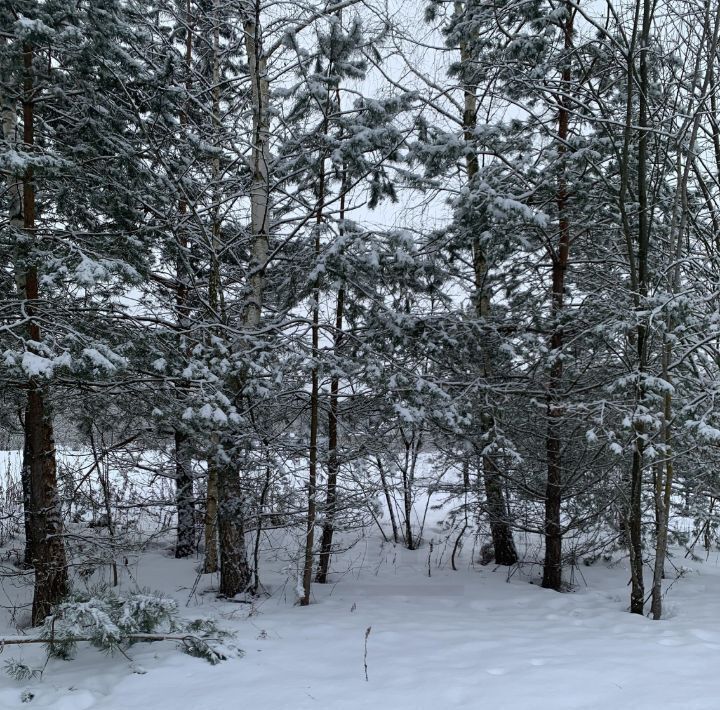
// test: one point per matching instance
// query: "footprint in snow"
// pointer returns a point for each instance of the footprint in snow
(671, 642)
(496, 671)
(705, 635)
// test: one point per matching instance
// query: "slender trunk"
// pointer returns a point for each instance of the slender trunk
(637, 593)
(49, 561)
(260, 160)
(552, 566)
(25, 479)
(184, 500)
(14, 193)
(184, 497)
(413, 445)
(634, 526)
(388, 500)
(215, 304)
(497, 508)
(663, 492)
(623, 512)
(314, 397)
(663, 488)
(333, 461)
(267, 485)
(104, 479)
(312, 467)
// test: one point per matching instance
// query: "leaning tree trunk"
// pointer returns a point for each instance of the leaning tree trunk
(497, 507)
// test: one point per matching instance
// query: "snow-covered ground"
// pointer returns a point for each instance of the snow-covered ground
(465, 639)
(470, 638)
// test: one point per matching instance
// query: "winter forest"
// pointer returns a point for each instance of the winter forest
(407, 313)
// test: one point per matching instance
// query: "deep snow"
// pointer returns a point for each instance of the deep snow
(470, 638)
(465, 639)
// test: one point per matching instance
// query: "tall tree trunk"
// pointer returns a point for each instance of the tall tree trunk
(184, 497)
(49, 561)
(663, 493)
(48, 552)
(637, 593)
(313, 459)
(25, 480)
(389, 501)
(235, 573)
(333, 466)
(497, 508)
(210, 562)
(14, 193)
(552, 566)
(681, 209)
(314, 394)
(333, 461)
(504, 549)
(215, 302)
(413, 445)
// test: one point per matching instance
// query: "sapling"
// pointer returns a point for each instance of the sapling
(112, 622)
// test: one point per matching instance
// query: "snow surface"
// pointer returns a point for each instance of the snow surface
(465, 639)
(470, 638)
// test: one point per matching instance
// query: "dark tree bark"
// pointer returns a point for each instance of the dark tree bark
(388, 500)
(552, 566)
(49, 561)
(312, 471)
(210, 561)
(235, 572)
(497, 508)
(330, 511)
(504, 549)
(413, 444)
(25, 478)
(637, 593)
(314, 404)
(47, 545)
(184, 498)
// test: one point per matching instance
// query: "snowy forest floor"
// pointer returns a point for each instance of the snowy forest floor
(458, 639)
